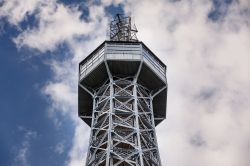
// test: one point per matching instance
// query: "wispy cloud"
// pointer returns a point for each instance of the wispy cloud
(16, 11)
(60, 148)
(23, 151)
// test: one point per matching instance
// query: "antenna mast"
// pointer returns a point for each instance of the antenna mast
(122, 30)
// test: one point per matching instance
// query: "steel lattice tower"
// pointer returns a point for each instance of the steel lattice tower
(122, 97)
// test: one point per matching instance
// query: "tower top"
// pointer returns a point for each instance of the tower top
(122, 30)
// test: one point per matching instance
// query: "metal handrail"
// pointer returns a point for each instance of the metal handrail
(146, 54)
(153, 61)
(92, 60)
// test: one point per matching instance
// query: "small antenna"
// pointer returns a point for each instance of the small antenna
(121, 29)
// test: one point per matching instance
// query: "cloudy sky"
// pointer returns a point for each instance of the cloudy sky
(205, 44)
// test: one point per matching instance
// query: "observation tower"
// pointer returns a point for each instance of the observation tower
(122, 96)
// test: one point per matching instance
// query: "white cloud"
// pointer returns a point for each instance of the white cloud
(61, 94)
(208, 73)
(16, 11)
(57, 24)
(79, 149)
(59, 148)
(21, 158)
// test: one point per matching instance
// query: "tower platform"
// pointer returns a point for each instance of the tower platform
(122, 59)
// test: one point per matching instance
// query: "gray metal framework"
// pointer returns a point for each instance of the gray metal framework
(122, 96)
(121, 29)
(122, 130)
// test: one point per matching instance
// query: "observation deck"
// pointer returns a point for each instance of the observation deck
(123, 58)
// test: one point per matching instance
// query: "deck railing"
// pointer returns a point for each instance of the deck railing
(133, 49)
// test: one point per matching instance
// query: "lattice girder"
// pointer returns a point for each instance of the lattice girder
(122, 129)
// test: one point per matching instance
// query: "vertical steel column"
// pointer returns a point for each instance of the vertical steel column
(136, 112)
(154, 133)
(137, 122)
(91, 131)
(109, 160)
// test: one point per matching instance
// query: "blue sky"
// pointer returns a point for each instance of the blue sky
(204, 43)
(23, 107)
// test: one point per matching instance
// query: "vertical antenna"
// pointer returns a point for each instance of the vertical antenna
(122, 30)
